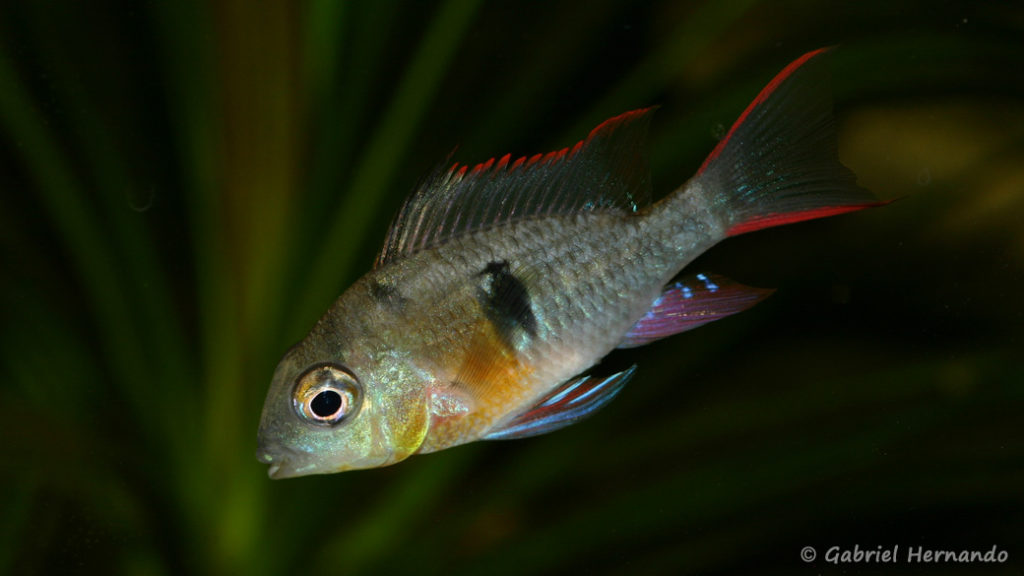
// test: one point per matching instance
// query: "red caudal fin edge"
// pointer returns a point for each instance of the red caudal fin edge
(761, 97)
(779, 162)
(772, 220)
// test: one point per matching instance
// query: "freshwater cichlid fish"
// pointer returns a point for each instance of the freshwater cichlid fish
(499, 286)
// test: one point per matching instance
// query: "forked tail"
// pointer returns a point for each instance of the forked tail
(779, 162)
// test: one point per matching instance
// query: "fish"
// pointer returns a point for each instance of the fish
(500, 288)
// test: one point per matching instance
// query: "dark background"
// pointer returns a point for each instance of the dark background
(187, 186)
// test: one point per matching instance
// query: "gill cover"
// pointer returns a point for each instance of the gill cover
(324, 417)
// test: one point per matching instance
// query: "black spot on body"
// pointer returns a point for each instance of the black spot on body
(506, 302)
(386, 294)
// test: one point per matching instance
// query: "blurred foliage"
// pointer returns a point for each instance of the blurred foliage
(188, 185)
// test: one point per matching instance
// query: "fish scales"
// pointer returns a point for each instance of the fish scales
(500, 286)
(581, 306)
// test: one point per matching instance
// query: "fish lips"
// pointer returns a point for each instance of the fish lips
(284, 463)
(284, 459)
(288, 462)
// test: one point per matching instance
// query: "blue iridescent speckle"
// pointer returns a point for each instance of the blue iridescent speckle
(707, 282)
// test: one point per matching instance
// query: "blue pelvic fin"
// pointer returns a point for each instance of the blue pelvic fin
(569, 403)
(693, 301)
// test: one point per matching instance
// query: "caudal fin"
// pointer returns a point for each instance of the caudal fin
(779, 162)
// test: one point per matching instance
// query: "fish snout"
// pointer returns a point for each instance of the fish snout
(280, 458)
(265, 456)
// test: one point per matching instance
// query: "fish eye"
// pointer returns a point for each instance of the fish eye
(327, 395)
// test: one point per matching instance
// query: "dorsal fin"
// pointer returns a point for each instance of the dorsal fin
(607, 170)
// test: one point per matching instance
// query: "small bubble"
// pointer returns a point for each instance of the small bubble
(141, 201)
(924, 177)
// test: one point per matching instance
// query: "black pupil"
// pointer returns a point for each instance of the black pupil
(326, 404)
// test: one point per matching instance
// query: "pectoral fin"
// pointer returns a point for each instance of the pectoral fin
(569, 403)
(689, 303)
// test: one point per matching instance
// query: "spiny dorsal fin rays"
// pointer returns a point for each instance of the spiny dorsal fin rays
(606, 171)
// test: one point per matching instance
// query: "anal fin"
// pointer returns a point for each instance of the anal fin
(569, 403)
(693, 301)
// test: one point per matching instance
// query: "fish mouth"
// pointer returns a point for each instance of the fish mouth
(285, 469)
(267, 458)
(279, 467)
(273, 471)
(280, 460)
(285, 464)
